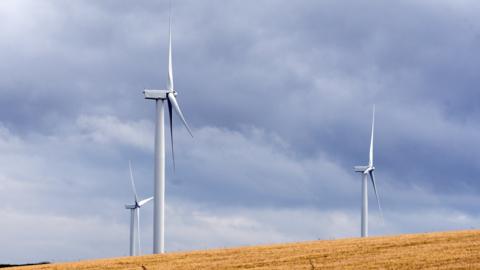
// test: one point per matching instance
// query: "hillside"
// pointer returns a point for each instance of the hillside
(446, 250)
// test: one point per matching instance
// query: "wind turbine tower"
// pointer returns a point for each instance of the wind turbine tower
(367, 171)
(160, 96)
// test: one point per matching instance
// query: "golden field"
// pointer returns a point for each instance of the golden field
(444, 250)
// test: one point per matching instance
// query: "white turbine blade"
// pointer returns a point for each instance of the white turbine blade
(173, 100)
(170, 68)
(133, 182)
(170, 116)
(142, 202)
(370, 160)
(139, 251)
(372, 177)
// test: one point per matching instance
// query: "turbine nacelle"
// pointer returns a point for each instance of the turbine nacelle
(131, 206)
(364, 169)
(158, 94)
(360, 169)
(369, 169)
(138, 204)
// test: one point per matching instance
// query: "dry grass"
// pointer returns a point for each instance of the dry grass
(448, 250)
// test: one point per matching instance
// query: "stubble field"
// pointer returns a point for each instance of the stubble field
(445, 250)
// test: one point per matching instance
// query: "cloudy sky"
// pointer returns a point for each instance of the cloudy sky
(279, 95)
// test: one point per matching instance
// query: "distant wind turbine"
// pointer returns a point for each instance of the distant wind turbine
(160, 96)
(366, 172)
(135, 218)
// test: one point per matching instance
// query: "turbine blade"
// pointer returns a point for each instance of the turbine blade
(132, 181)
(370, 160)
(139, 251)
(173, 100)
(142, 202)
(372, 177)
(170, 68)
(170, 115)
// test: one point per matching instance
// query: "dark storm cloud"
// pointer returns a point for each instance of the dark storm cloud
(311, 71)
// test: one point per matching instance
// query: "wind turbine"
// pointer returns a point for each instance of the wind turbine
(135, 217)
(368, 171)
(160, 96)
